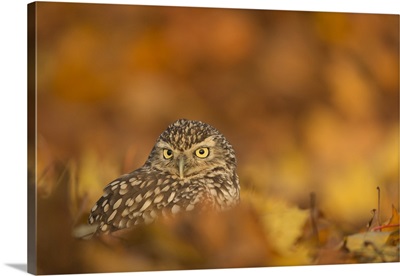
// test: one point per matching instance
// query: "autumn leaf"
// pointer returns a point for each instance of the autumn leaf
(283, 224)
(374, 246)
(380, 242)
(391, 225)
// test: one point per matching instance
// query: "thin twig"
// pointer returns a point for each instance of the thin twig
(371, 221)
(379, 206)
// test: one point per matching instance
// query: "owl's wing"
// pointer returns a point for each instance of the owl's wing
(136, 198)
(122, 201)
(143, 195)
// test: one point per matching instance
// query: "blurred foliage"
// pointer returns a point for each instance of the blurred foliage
(309, 101)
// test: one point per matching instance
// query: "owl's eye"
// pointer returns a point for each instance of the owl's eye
(202, 152)
(168, 153)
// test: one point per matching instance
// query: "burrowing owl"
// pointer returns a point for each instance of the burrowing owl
(191, 165)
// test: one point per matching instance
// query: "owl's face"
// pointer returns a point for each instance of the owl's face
(190, 148)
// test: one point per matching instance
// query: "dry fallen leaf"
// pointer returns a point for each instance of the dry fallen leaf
(391, 225)
(283, 226)
(374, 246)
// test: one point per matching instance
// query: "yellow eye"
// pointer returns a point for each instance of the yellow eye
(202, 152)
(168, 153)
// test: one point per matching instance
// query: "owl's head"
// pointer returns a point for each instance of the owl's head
(187, 148)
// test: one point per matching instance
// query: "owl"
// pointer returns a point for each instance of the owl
(191, 167)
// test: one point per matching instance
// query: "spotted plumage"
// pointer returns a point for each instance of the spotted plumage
(190, 165)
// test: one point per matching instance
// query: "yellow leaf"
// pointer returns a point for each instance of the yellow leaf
(284, 224)
(373, 247)
(393, 223)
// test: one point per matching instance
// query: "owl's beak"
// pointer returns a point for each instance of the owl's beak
(181, 166)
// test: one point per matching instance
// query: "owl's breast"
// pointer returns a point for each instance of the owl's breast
(213, 191)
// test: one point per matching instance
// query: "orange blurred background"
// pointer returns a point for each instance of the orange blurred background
(309, 100)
